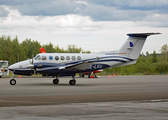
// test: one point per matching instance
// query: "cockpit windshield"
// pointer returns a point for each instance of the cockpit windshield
(3, 64)
(37, 57)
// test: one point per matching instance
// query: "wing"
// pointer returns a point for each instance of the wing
(77, 66)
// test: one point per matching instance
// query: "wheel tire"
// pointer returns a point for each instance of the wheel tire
(12, 81)
(0, 76)
(72, 82)
(55, 81)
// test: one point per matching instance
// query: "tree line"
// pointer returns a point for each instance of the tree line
(13, 51)
(147, 64)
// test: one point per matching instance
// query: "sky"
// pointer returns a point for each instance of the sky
(95, 25)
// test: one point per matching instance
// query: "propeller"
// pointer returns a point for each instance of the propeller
(31, 66)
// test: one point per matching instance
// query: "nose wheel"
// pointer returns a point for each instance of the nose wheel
(12, 81)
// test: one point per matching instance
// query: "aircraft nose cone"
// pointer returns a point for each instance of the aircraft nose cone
(11, 67)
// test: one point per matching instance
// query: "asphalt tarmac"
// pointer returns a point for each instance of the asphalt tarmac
(90, 94)
(41, 91)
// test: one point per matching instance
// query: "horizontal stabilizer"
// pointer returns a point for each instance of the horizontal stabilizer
(143, 35)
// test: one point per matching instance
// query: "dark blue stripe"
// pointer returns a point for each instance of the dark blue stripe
(110, 60)
(118, 57)
(138, 35)
(111, 57)
(45, 65)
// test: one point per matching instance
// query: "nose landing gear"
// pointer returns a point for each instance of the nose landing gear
(13, 81)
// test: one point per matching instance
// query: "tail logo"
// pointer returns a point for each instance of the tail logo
(131, 44)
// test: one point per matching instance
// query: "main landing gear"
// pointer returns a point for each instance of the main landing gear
(56, 81)
(71, 82)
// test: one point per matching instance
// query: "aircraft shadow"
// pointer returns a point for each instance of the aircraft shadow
(50, 84)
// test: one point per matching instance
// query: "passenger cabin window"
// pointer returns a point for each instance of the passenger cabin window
(56, 58)
(44, 58)
(73, 58)
(67, 58)
(79, 58)
(62, 58)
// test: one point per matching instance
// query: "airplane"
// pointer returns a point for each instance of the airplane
(67, 64)
(42, 50)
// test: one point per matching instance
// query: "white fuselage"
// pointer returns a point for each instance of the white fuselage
(56, 63)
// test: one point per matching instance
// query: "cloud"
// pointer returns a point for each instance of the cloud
(133, 4)
(155, 20)
(81, 30)
(3, 12)
(103, 13)
(97, 10)
(150, 12)
(43, 7)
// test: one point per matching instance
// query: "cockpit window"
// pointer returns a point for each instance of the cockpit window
(44, 57)
(37, 56)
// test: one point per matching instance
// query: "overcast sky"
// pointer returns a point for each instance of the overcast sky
(95, 25)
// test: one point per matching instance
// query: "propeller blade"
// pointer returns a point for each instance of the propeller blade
(32, 59)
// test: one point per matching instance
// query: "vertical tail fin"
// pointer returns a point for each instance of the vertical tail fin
(133, 45)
